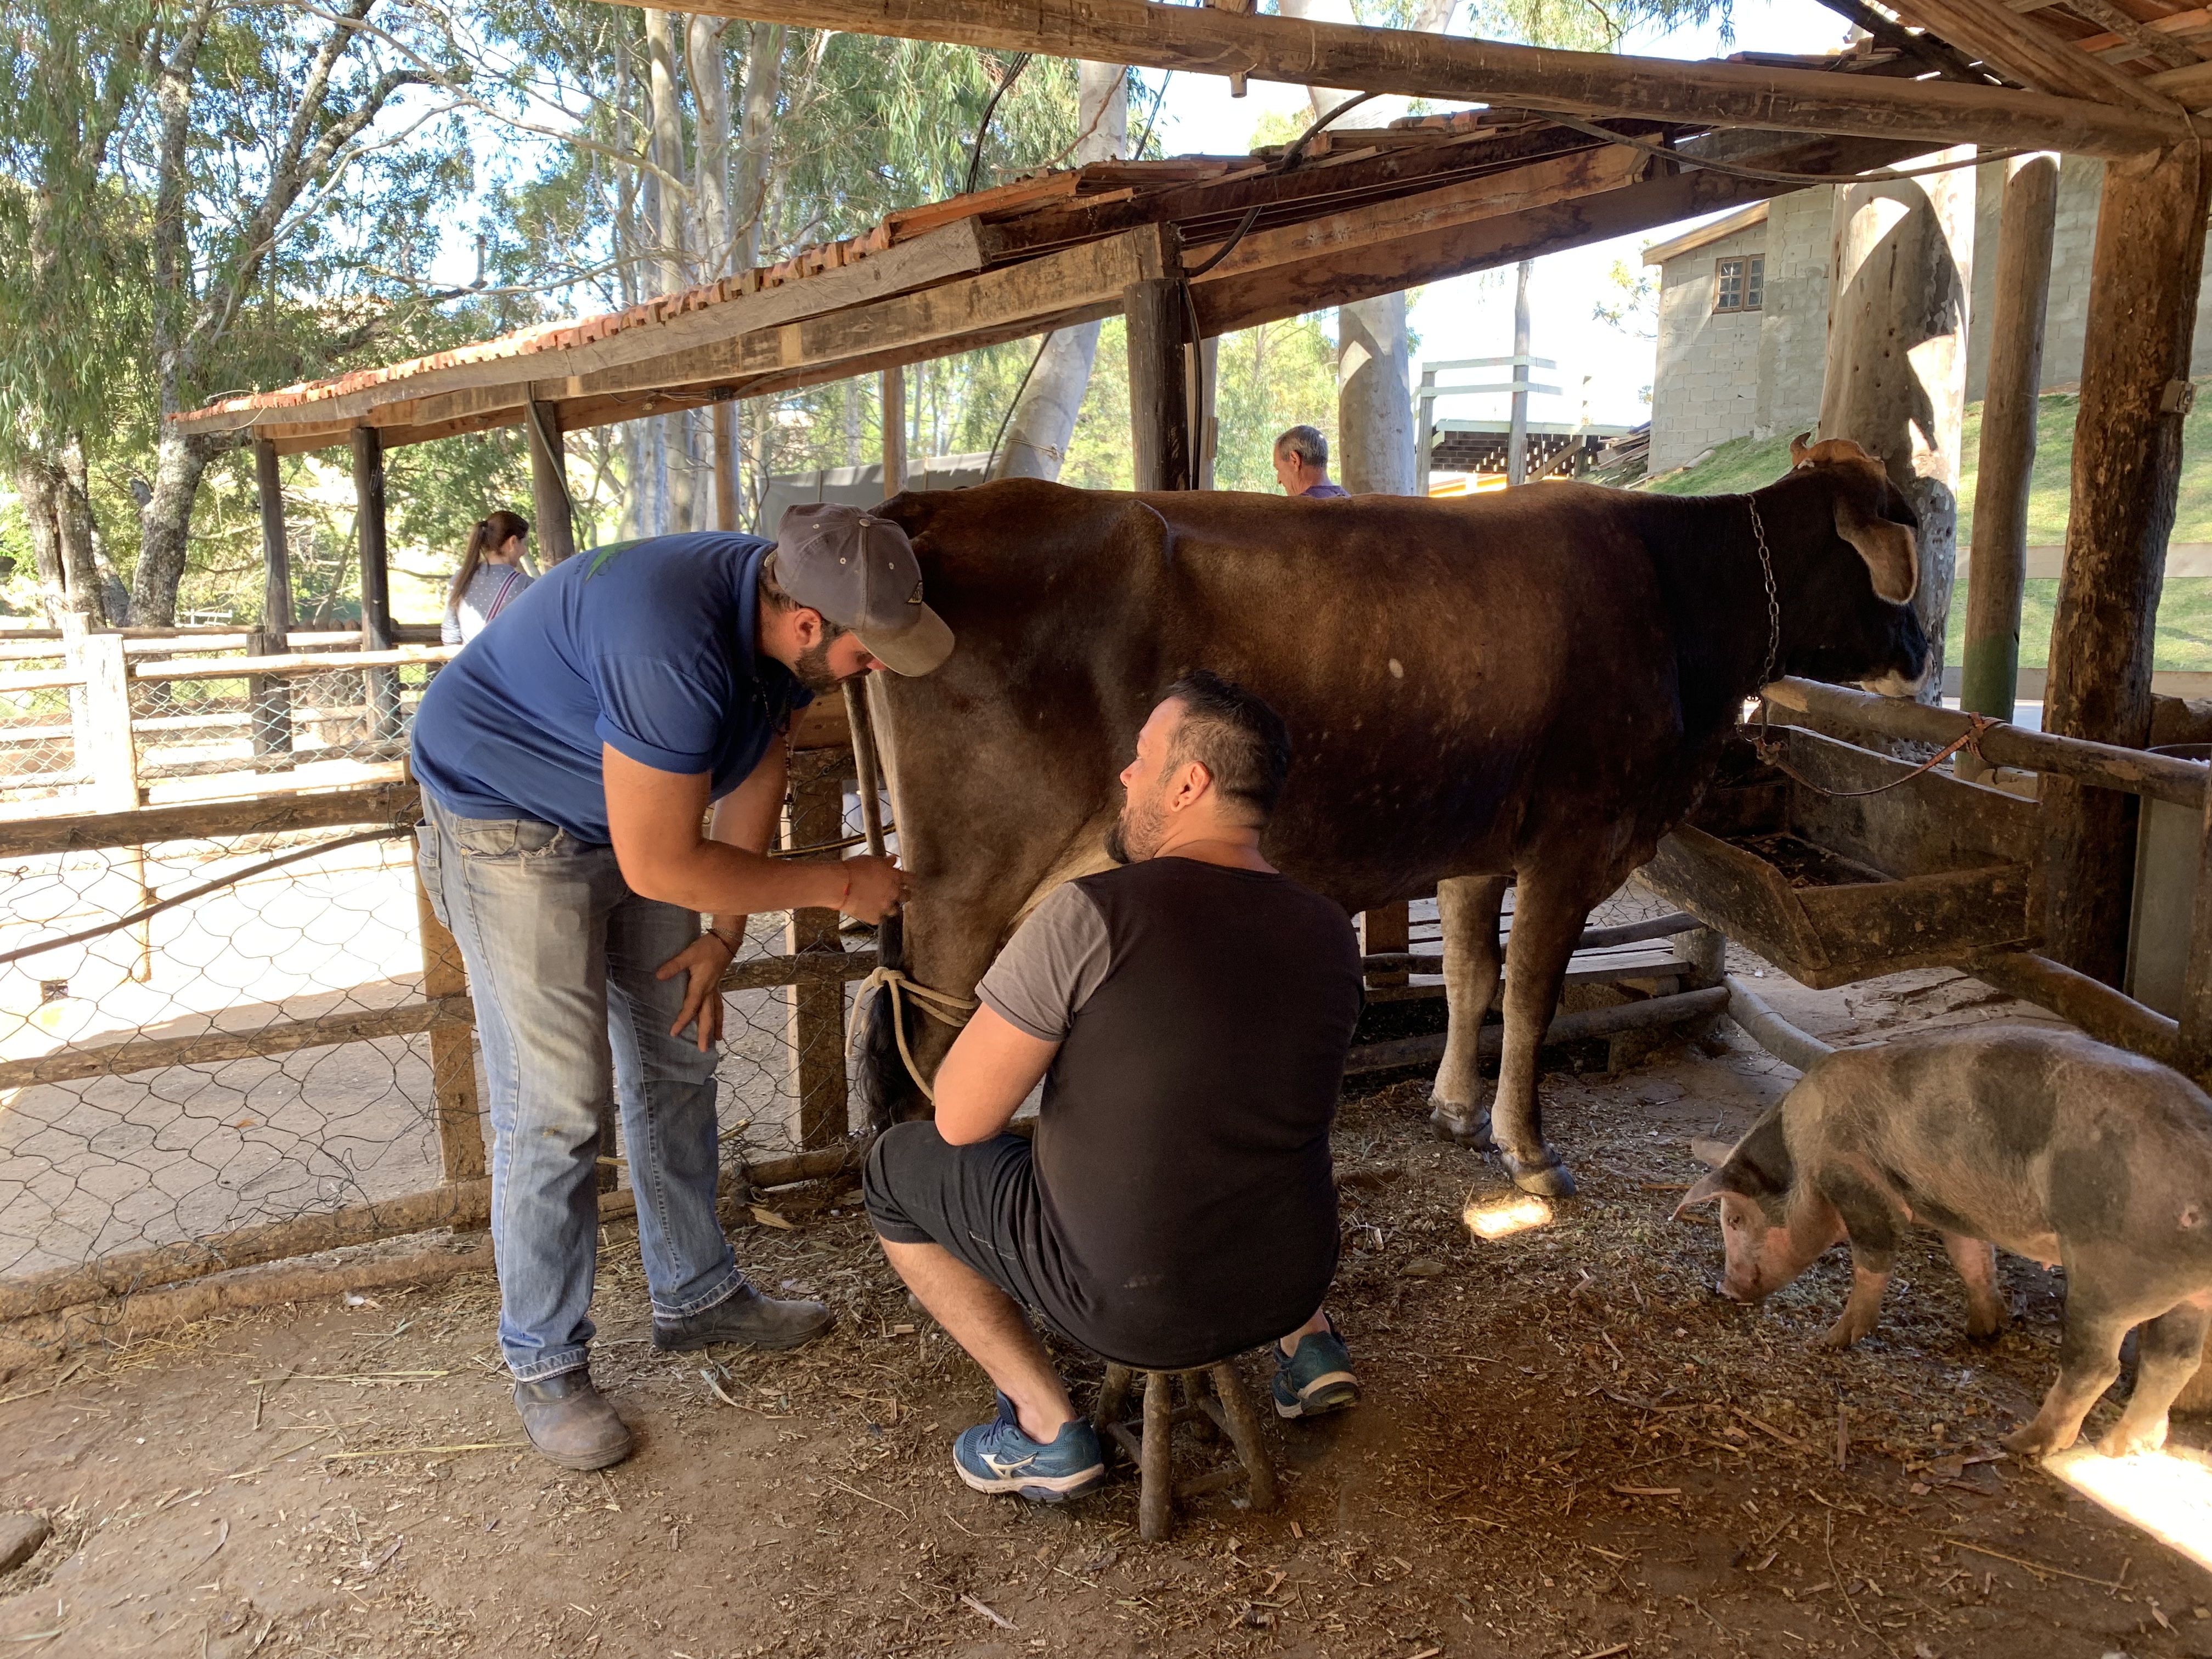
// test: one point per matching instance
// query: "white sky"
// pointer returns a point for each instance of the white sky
(1471, 316)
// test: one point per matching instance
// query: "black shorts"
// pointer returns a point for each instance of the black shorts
(979, 1201)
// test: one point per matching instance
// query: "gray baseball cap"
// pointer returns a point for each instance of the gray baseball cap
(859, 571)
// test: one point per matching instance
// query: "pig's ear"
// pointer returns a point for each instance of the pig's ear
(1708, 1187)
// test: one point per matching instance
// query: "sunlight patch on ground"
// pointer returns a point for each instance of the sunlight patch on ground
(2166, 1494)
(1497, 1217)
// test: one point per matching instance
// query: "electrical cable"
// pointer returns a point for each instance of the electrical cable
(983, 127)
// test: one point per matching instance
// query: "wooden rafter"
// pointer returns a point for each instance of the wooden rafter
(2031, 52)
(2108, 112)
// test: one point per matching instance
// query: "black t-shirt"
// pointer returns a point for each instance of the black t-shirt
(1186, 1204)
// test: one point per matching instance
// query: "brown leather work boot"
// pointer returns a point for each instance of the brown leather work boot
(570, 1423)
(748, 1317)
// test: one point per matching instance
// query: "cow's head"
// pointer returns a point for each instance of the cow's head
(1848, 613)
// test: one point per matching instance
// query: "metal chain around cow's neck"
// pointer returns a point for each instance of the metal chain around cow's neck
(1773, 603)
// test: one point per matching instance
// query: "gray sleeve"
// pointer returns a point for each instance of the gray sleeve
(1050, 967)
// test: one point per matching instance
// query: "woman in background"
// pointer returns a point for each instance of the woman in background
(491, 576)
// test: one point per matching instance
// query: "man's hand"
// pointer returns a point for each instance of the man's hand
(878, 887)
(704, 959)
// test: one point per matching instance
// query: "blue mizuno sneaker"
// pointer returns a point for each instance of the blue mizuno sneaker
(998, 1457)
(1317, 1378)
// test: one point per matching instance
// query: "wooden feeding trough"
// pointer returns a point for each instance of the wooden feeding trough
(1833, 884)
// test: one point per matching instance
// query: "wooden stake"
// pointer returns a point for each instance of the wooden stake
(452, 1049)
(1991, 662)
(816, 1023)
(2127, 469)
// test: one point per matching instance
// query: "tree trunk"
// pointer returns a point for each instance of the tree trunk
(61, 540)
(707, 65)
(1901, 264)
(165, 526)
(1044, 415)
(672, 463)
(756, 115)
(1374, 398)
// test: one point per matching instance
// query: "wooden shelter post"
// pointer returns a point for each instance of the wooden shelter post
(1159, 384)
(1989, 665)
(549, 501)
(2143, 283)
(383, 689)
(894, 424)
(271, 695)
(725, 464)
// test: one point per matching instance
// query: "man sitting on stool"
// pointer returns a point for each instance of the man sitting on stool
(1190, 1013)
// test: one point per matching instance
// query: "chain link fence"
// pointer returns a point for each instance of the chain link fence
(238, 1036)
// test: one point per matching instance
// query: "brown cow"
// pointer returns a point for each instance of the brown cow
(1528, 687)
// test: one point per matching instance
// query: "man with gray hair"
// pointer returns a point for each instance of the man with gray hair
(1302, 465)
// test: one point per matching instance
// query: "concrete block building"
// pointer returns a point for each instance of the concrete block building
(1743, 311)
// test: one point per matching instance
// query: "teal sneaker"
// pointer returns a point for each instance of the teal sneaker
(998, 1457)
(1317, 1378)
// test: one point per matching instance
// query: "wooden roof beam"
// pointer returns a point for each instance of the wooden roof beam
(1206, 41)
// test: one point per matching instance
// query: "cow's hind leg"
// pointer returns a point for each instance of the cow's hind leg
(1467, 907)
(1548, 913)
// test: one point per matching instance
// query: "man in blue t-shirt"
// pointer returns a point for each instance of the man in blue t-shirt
(567, 759)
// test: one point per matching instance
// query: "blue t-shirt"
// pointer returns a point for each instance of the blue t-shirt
(648, 646)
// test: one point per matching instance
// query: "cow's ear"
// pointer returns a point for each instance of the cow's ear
(1890, 550)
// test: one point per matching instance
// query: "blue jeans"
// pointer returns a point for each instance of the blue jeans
(561, 956)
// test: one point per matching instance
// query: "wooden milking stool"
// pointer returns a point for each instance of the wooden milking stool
(1211, 1394)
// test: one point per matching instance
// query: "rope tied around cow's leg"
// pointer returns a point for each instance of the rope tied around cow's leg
(942, 1007)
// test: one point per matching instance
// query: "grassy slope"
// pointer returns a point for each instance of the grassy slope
(2184, 616)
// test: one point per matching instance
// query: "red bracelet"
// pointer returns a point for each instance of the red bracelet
(846, 894)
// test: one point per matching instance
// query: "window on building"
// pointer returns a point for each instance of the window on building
(1740, 285)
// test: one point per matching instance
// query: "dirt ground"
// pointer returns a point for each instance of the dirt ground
(1567, 1447)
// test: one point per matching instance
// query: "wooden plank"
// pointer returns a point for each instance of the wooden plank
(106, 748)
(1644, 1015)
(1342, 275)
(2189, 87)
(1301, 52)
(1386, 930)
(1584, 172)
(2027, 50)
(2106, 766)
(219, 1047)
(149, 826)
(814, 967)
(466, 1204)
(2144, 275)
(317, 662)
(498, 384)
(1028, 297)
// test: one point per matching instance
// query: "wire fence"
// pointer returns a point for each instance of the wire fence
(274, 1052)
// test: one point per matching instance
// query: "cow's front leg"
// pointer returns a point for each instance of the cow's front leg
(1467, 907)
(1548, 913)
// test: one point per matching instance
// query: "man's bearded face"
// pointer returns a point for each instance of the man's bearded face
(1136, 834)
(814, 672)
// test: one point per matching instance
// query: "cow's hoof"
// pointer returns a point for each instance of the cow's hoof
(1548, 1179)
(1472, 1132)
